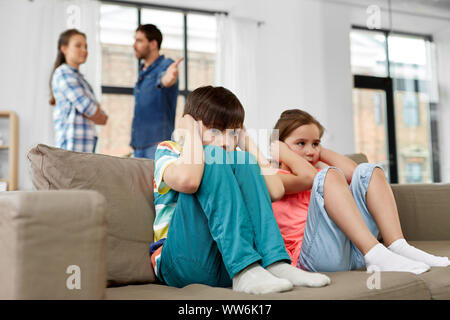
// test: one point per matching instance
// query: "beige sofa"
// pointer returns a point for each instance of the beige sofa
(85, 232)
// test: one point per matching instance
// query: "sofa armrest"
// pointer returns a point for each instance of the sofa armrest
(53, 245)
(424, 210)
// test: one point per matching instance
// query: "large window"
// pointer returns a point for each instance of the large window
(394, 75)
(411, 110)
(186, 33)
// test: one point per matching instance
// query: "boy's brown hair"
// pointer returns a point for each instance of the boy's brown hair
(217, 107)
(292, 119)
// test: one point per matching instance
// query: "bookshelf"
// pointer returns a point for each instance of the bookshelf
(9, 145)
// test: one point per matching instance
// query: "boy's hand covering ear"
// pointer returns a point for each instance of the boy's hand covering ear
(187, 125)
(242, 139)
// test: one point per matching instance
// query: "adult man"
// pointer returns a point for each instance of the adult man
(155, 93)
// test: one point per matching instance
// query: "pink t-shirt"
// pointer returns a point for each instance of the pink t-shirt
(291, 213)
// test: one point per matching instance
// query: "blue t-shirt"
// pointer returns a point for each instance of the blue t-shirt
(155, 106)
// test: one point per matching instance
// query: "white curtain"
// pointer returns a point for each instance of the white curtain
(442, 41)
(30, 31)
(235, 62)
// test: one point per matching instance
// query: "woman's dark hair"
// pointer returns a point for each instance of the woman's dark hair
(292, 119)
(151, 33)
(64, 39)
(217, 107)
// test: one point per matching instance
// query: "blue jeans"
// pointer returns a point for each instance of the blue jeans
(325, 246)
(95, 144)
(222, 228)
(148, 152)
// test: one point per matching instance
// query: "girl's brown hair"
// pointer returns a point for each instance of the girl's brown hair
(63, 40)
(217, 107)
(292, 119)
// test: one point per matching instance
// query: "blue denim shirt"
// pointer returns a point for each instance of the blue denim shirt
(154, 106)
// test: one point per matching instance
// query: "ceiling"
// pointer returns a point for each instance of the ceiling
(429, 8)
(437, 4)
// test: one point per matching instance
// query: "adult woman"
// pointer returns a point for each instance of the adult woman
(76, 111)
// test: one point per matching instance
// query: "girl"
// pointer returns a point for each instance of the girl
(76, 111)
(214, 222)
(330, 218)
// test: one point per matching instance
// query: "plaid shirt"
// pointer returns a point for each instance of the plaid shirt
(74, 98)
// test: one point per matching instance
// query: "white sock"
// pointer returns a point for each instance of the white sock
(379, 258)
(297, 276)
(257, 280)
(404, 249)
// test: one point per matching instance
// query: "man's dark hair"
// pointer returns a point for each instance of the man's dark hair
(151, 33)
(217, 107)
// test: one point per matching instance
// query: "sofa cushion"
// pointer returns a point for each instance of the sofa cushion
(434, 284)
(126, 184)
(358, 157)
(348, 285)
(424, 210)
(47, 235)
(438, 278)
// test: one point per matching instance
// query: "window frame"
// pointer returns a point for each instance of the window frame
(185, 10)
(367, 81)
